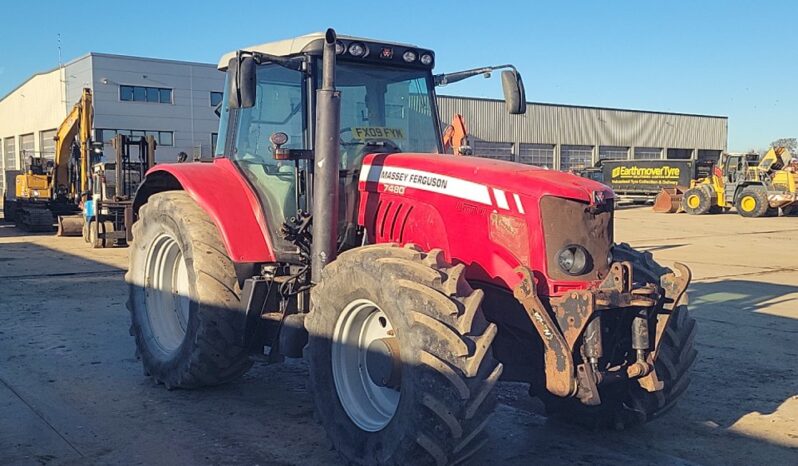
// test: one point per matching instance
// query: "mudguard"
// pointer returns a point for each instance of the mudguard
(221, 191)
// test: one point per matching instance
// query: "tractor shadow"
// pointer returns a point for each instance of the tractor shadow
(66, 352)
(746, 342)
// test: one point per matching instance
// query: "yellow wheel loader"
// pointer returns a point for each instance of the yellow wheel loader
(755, 188)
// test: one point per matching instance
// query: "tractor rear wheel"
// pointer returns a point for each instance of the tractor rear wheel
(627, 404)
(184, 296)
(753, 202)
(696, 201)
(400, 360)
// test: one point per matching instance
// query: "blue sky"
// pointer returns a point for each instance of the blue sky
(731, 58)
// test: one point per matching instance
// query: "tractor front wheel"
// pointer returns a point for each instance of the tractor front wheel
(400, 361)
(184, 296)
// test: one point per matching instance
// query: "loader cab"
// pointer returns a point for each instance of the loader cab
(387, 105)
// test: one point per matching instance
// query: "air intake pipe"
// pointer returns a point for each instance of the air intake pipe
(326, 162)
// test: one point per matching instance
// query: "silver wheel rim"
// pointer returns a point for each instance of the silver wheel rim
(167, 293)
(370, 406)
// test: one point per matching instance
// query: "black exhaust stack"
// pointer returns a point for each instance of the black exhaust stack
(325, 176)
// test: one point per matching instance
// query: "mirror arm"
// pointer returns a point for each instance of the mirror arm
(294, 63)
(449, 78)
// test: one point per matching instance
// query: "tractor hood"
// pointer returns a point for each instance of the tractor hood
(472, 177)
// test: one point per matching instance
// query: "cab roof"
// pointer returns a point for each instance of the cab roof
(296, 45)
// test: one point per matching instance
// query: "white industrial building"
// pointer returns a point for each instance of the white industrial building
(172, 100)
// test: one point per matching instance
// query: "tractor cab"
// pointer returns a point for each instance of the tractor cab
(268, 118)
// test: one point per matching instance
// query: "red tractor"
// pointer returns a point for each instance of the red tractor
(331, 225)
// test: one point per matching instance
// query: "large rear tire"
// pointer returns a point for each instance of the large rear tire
(627, 404)
(436, 396)
(184, 296)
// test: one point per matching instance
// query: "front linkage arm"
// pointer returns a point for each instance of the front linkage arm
(573, 317)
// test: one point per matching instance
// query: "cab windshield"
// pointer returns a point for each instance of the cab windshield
(383, 109)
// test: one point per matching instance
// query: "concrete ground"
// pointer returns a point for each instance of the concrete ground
(71, 391)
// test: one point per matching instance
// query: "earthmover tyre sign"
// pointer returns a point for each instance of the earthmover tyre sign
(647, 175)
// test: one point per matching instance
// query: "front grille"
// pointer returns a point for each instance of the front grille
(566, 222)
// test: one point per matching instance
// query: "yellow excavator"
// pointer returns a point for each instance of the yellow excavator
(755, 188)
(57, 188)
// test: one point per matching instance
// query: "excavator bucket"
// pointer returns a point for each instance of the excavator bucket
(669, 200)
(70, 225)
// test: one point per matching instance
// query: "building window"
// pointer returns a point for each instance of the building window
(541, 155)
(163, 138)
(26, 145)
(648, 153)
(214, 139)
(216, 98)
(494, 150)
(613, 153)
(145, 94)
(10, 152)
(709, 155)
(680, 154)
(576, 157)
(2, 168)
(47, 143)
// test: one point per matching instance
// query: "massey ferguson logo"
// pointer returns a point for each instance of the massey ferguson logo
(598, 197)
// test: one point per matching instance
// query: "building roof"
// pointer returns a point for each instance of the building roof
(107, 55)
(295, 45)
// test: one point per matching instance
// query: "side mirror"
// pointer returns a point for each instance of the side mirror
(514, 95)
(241, 82)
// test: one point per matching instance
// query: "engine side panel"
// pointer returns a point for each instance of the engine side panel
(481, 213)
(221, 191)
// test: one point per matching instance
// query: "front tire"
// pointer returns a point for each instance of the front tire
(696, 201)
(430, 403)
(184, 296)
(627, 404)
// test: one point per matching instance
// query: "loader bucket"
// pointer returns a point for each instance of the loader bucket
(669, 200)
(70, 225)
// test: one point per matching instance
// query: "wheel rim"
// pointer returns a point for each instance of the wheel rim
(693, 201)
(748, 203)
(167, 293)
(360, 327)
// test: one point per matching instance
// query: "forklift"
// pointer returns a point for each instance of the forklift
(108, 213)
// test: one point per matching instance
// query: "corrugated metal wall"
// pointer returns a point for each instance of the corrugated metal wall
(560, 126)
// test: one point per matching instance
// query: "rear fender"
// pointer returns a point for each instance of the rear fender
(223, 193)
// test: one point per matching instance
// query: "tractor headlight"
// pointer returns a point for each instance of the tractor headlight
(357, 49)
(426, 59)
(573, 259)
(409, 56)
(339, 47)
